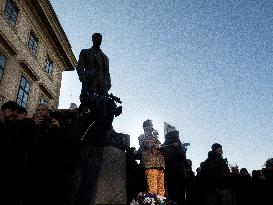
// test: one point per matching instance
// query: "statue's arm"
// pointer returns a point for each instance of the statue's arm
(81, 65)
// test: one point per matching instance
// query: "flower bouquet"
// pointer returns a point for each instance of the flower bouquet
(148, 199)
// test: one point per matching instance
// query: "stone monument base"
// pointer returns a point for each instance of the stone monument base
(111, 187)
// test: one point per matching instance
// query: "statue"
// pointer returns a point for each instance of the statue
(95, 116)
(93, 69)
(152, 159)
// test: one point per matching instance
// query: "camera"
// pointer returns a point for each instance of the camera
(46, 120)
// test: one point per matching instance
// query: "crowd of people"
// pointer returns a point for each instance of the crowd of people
(215, 183)
(34, 157)
(38, 157)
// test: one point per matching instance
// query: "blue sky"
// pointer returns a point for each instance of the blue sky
(203, 66)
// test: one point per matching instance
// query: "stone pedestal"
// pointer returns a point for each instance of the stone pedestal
(111, 187)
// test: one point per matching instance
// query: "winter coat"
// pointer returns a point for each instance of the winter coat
(215, 171)
(151, 155)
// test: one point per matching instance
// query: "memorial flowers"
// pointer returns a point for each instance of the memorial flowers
(149, 199)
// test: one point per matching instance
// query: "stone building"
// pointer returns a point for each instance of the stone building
(34, 51)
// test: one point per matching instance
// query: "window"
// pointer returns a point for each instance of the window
(2, 64)
(11, 11)
(33, 43)
(23, 92)
(43, 101)
(49, 66)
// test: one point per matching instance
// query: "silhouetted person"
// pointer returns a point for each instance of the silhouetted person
(22, 113)
(175, 171)
(46, 160)
(268, 174)
(15, 138)
(215, 173)
(9, 157)
(135, 178)
(190, 183)
(258, 187)
(242, 187)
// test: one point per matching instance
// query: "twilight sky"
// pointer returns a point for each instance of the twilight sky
(205, 67)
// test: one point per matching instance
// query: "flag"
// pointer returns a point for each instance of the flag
(168, 128)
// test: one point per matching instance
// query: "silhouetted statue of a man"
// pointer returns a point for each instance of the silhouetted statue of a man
(96, 114)
(93, 69)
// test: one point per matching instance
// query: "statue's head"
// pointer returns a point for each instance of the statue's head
(96, 38)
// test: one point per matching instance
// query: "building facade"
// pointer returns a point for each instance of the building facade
(34, 51)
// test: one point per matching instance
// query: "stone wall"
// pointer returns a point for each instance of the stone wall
(33, 65)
